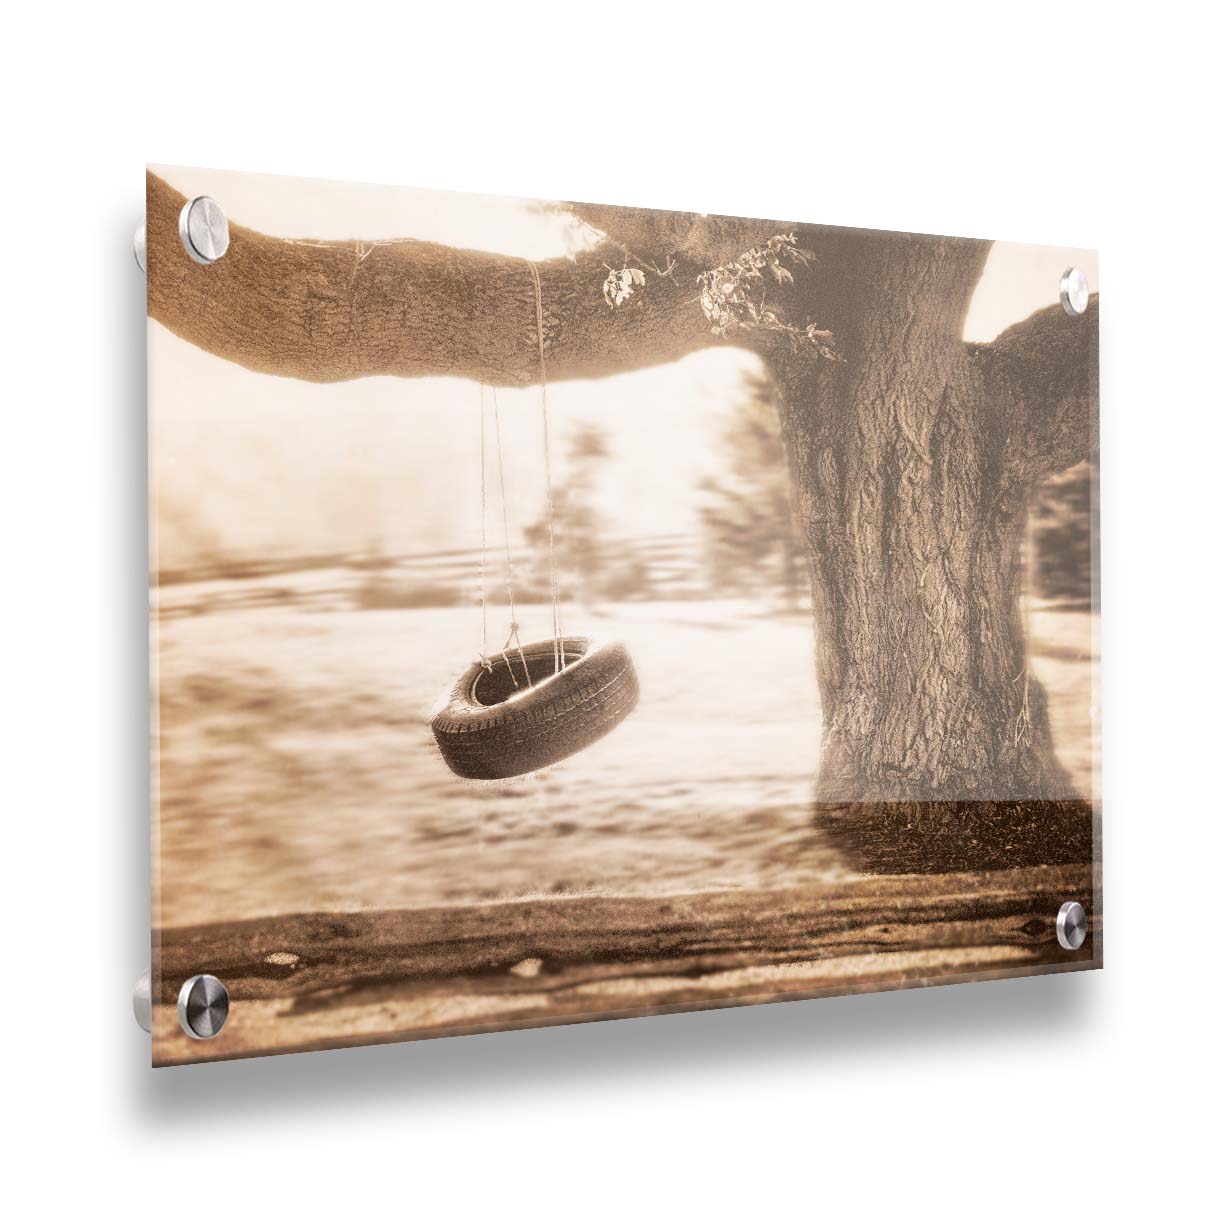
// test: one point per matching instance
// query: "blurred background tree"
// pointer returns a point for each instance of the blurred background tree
(1062, 535)
(752, 541)
(591, 563)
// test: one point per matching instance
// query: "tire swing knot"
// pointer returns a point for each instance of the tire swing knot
(526, 707)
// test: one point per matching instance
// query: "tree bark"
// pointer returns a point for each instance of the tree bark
(913, 461)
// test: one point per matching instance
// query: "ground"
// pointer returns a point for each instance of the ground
(298, 779)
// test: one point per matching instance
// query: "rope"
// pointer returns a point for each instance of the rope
(484, 603)
(514, 629)
(558, 651)
(513, 637)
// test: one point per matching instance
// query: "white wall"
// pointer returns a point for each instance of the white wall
(1077, 1096)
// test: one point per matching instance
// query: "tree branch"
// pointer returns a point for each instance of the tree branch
(328, 311)
(1043, 373)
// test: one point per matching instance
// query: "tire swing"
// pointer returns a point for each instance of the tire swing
(536, 704)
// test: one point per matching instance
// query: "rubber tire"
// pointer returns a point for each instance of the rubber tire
(541, 725)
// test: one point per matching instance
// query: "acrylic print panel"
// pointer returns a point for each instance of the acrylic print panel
(565, 612)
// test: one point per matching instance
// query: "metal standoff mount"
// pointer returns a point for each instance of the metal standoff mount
(142, 1002)
(1072, 926)
(139, 248)
(204, 229)
(1073, 292)
(203, 1006)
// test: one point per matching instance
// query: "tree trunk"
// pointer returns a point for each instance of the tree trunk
(936, 750)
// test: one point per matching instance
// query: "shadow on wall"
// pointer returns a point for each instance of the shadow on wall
(877, 1027)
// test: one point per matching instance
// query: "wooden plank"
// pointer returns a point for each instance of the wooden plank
(316, 980)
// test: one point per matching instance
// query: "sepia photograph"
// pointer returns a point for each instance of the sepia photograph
(565, 612)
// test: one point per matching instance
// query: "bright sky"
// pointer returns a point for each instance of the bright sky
(259, 465)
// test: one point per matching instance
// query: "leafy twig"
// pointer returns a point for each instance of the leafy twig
(733, 294)
(619, 285)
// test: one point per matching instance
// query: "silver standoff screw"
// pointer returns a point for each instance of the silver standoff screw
(203, 1006)
(1072, 926)
(1073, 292)
(138, 246)
(142, 1002)
(204, 230)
